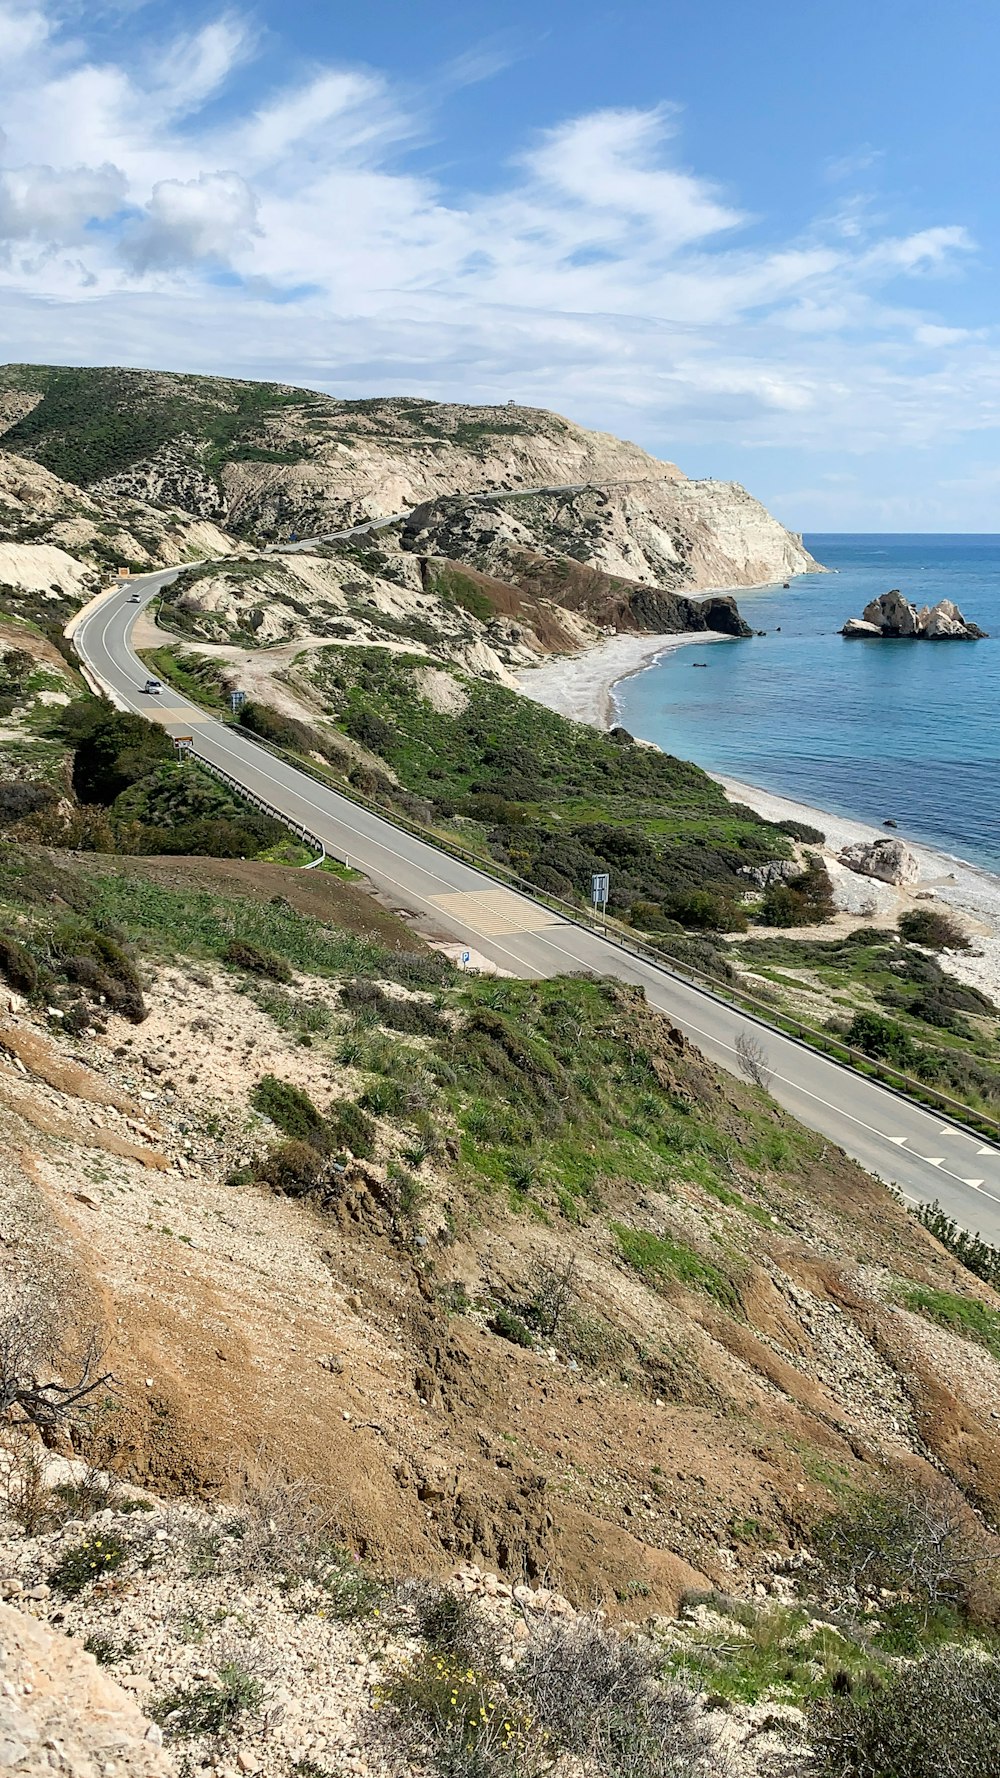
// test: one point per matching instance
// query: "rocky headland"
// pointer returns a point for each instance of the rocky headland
(893, 617)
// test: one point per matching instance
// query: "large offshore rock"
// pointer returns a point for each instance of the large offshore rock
(893, 616)
(888, 860)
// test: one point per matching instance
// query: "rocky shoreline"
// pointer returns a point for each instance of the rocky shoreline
(582, 688)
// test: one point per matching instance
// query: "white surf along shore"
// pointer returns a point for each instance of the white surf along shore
(582, 687)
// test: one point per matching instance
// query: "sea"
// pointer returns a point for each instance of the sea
(877, 730)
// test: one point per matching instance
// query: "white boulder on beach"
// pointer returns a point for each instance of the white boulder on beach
(888, 860)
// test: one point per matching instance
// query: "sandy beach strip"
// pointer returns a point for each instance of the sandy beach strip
(582, 687)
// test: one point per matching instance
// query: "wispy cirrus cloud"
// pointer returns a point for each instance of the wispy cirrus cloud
(599, 273)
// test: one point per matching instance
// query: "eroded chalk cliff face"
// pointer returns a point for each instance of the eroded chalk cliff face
(663, 532)
(267, 460)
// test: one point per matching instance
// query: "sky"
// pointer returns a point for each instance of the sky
(761, 240)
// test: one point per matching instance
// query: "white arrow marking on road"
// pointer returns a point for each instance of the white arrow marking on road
(933, 1160)
(899, 1140)
(976, 1182)
(986, 1151)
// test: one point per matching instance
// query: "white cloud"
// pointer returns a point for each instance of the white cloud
(208, 218)
(597, 274)
(46, 205)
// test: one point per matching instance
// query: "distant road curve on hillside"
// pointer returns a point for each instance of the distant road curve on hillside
(922, 1152)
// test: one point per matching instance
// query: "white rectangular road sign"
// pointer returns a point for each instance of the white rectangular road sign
(599, 886)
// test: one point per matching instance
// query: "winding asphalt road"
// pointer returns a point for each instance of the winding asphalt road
(925, 1154)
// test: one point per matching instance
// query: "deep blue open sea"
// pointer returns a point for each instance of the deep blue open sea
(873, 729)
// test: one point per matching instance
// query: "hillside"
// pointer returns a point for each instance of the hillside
(54, 538)
(501, 1273)
(264, 460)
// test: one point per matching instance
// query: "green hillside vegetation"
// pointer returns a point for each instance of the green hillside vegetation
(93, 423)
(130, 793)
(555, 800)
(891, 999)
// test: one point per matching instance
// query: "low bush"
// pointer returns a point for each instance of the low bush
(883, 1039)
(17, 966)
(20, 798)
(458, 1719)
(99, 964)
(509, 1326)
(805, 900)
(929, 1717)
(932, 929)
(209, 1708)
(351, 1128)
(293, 1168)
(292, 1110)
(602, 1700)
(91, 1559)
(417, 1017)
(970, 1250)
(250, 957)
(920, 1542)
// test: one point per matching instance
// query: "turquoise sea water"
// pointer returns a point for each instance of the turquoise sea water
(909, 730)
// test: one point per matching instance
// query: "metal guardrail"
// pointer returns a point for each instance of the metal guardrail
(266, 808)
(904, 1086)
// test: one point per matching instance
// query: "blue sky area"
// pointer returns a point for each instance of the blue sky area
(761, 240)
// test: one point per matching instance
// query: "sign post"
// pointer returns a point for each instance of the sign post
(600, 883)
(237, 700)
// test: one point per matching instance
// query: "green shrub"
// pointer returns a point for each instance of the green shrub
(368, 1001)
(805, 900)
(96, 1555)
(705, 911)
(113, 749)
(509, 1326)
(292, 1110)
(101, 965)
(970, 1250)
(207, 1708)
(17, 966)
(930, 1717)
(250, 957)
(352, 1128)
(932, 929)
(881, 1038)
(292, 1168)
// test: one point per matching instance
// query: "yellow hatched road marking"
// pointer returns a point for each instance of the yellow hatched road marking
(494, 911)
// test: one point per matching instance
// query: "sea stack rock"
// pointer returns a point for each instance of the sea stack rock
(893, 616)
(888, 860)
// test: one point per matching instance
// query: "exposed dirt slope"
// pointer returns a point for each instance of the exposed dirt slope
(52, 532)
(740, 1346)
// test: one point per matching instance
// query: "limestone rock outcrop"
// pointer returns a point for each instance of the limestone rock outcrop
(888, 860)
(893, 616)
(60, 1714)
